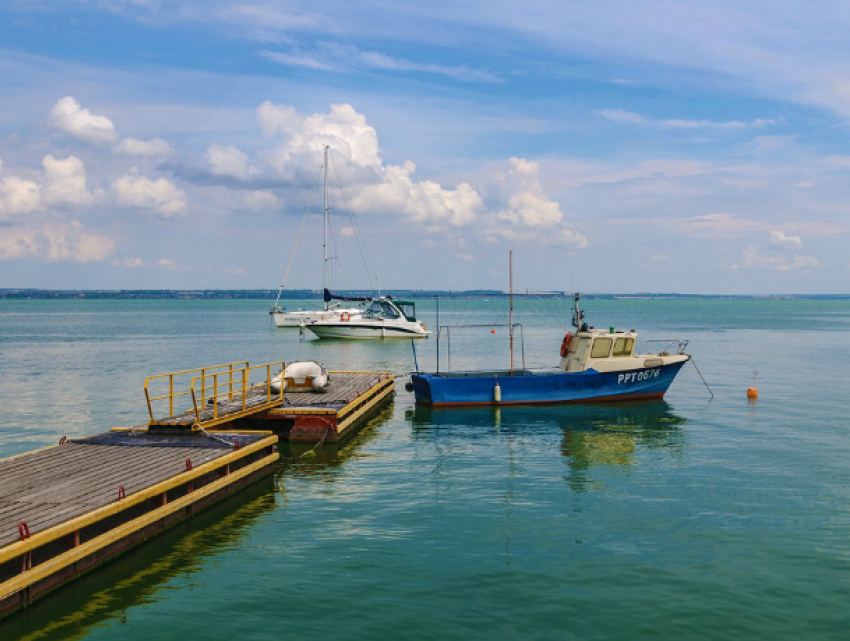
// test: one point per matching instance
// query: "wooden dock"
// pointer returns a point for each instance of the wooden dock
(332, 415)
(68, 508)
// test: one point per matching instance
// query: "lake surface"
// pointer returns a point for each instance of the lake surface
(692, 518)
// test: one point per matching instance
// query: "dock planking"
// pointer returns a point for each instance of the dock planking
(67, 508)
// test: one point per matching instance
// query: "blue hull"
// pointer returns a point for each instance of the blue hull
(529, 386)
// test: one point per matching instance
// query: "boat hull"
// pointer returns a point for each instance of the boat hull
(363, 331)
(530, 387)
(302, 318)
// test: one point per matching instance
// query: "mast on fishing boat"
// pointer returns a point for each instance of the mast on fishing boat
(511, 286)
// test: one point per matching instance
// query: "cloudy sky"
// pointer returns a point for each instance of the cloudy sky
(614, 146)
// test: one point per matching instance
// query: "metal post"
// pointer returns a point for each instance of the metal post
(325, 240)
(511, 286)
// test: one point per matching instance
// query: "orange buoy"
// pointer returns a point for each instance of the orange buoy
(492, 331)
(753, 392)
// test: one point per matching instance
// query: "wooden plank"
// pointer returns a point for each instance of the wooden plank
(15, 549)
(126, 461)
(78, 553)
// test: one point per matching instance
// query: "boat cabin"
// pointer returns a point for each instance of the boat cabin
(386, 308)
(602, 350)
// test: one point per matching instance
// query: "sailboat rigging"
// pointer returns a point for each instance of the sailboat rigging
(330, 310)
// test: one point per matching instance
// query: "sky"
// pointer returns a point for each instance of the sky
(659, 146)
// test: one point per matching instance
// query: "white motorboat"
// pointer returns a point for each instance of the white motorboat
(301, 317)
(385, 318)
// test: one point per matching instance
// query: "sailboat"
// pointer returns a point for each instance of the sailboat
(330, 310)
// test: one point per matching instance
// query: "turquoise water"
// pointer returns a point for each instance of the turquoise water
(696, 517)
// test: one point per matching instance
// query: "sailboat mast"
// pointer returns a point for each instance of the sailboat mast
(325, 240)
(511, 286)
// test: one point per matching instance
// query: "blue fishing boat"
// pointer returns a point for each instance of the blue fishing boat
(595, 365)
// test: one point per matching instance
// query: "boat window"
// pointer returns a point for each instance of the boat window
(623, 346)
(374, 309)
(601, 348)
(388, 311)
(408, 310)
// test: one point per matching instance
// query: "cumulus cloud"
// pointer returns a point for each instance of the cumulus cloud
(160, 198)
(513, 205)
(68, 116)
(525, 212)
(18, 196)
(229, 161)
(278, 120)
(65, 182)
(55, 243)
(136, 147)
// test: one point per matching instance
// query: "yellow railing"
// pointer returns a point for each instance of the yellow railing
(214, 388)
(178, 379)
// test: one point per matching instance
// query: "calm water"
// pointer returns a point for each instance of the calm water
(690, 518)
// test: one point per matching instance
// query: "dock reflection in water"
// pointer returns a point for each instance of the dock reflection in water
(142, 576)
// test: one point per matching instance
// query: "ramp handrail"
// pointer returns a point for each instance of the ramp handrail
(225, 368)
(206, 389)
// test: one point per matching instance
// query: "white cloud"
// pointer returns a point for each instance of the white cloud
(55, 243)
(264, 200)
(65, 182)
(138, 263)
(629, 117)
(754, 257)
(18, 196)
(229, 161)
(525, 212)
(136, 147)
(159, 198)
(660, 258)
(347, 231)
(467, 257)
(781, 239)
(341, 58)
(278, 120)
(621, 115)
(67, 115)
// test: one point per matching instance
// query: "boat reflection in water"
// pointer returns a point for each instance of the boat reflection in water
(592, 435)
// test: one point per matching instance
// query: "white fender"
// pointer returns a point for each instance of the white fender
(296, 376)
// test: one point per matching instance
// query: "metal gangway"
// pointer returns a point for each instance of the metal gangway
(218, 394)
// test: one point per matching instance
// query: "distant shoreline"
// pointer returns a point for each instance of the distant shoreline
(303, 294)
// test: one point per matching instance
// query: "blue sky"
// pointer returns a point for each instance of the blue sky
(615, 147)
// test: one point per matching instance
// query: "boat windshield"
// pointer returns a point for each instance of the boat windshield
(381, 309)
